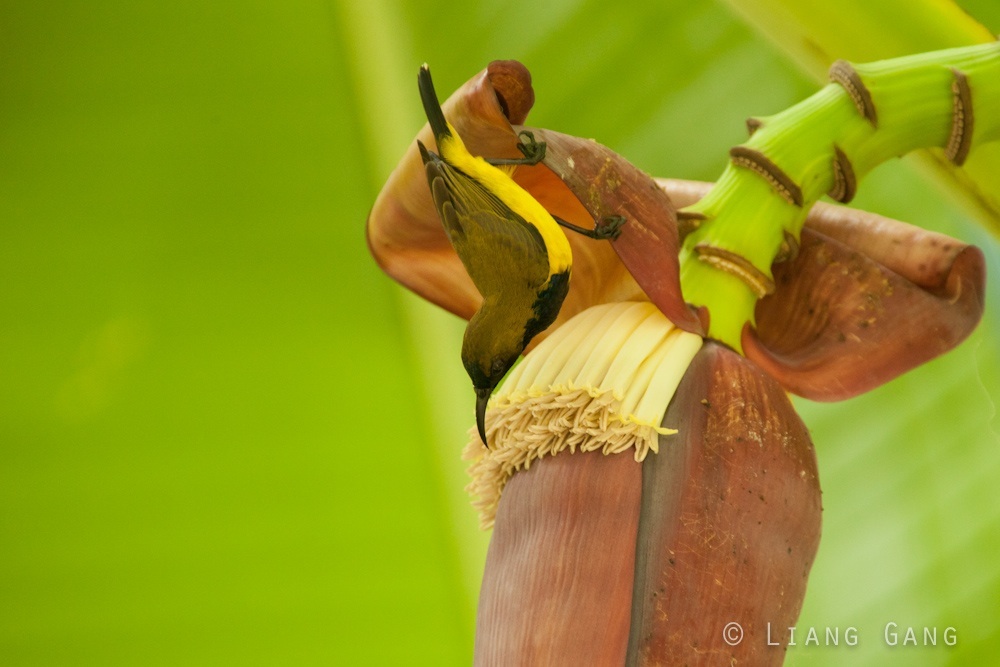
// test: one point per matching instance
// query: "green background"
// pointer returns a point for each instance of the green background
(227, 438)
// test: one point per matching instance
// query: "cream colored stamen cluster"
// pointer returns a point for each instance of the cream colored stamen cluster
(602, 381)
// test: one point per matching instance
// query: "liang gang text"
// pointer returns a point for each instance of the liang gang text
(893, 634)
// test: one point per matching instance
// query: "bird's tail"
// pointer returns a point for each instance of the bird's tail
(431, 105)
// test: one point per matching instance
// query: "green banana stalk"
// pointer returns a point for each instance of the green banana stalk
(813, 34)
(869, 113)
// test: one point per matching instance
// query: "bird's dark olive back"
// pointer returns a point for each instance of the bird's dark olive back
(500, 250)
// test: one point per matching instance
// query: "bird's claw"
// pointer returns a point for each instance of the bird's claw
(609, 227)
(532, 150)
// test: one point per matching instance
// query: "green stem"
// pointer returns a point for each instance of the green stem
(791, 160)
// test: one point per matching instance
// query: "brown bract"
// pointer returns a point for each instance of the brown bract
(729, 520)
(607, 185)
(557, 587)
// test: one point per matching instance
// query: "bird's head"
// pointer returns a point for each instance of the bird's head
(489, 350)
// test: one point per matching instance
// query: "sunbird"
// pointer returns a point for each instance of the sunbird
(513, 249)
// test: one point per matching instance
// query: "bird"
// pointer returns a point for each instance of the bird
(513, 249)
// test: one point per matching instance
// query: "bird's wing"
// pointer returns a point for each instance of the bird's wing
(495, 244)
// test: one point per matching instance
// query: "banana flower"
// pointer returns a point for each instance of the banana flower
(653, 495)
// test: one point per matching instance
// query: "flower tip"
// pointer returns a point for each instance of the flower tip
(968, 272)
(511, 82)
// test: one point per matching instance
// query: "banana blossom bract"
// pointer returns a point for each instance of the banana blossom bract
(610, 559)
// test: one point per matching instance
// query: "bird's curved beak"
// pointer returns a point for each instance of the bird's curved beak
(482, 398)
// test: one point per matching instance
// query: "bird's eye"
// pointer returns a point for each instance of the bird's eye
(498, 366)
